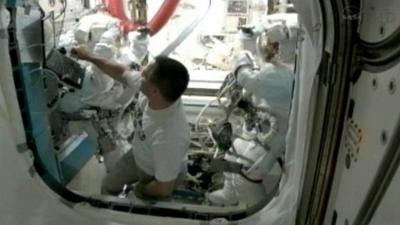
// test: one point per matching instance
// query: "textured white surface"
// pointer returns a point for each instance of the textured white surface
(372, 117)
(378, 21)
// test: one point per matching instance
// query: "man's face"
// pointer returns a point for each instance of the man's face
(271, 50)
(267, 48)
(148, 88)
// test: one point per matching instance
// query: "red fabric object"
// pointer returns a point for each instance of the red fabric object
(116, 9)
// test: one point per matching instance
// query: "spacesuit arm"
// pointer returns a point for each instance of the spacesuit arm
(245, 70)
(247, 77)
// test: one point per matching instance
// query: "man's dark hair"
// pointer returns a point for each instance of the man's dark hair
(170, 77)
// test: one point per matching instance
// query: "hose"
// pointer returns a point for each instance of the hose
(116, 9)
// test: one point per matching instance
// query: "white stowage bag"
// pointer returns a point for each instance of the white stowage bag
(91, 28)
(136, 49)
(139, 44)
(105, 48)
(236, 188)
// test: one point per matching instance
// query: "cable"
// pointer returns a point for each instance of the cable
(214, 141)
(28, 47)
(220, 94)
(53, 75)
(226, 86)
(63, 13)
(258, 181)
(196, 128)
(40, 69)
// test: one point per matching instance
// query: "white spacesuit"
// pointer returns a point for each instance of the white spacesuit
(116, 143)
(271, 87)
(98, 89)
(103, 92)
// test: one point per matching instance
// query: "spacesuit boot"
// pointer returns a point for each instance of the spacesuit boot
(225, 196)
(236, 188)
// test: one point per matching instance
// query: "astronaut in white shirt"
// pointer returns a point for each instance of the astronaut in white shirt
(161, 134)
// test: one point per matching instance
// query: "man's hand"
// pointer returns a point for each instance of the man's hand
(82, 53)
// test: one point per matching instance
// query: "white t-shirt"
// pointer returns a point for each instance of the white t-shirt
(161, 137)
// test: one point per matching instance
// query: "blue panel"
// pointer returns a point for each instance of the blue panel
(74, 162)
(45, 152)
(14, 3)
(40, 124)
(37, 125)
(11, 3)
(36, 120)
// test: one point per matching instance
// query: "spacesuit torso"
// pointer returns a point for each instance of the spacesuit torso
(272, 89)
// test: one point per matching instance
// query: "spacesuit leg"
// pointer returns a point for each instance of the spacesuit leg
(236, 188)
(225, 196)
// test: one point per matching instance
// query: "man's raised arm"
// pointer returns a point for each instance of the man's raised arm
(114, 70)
